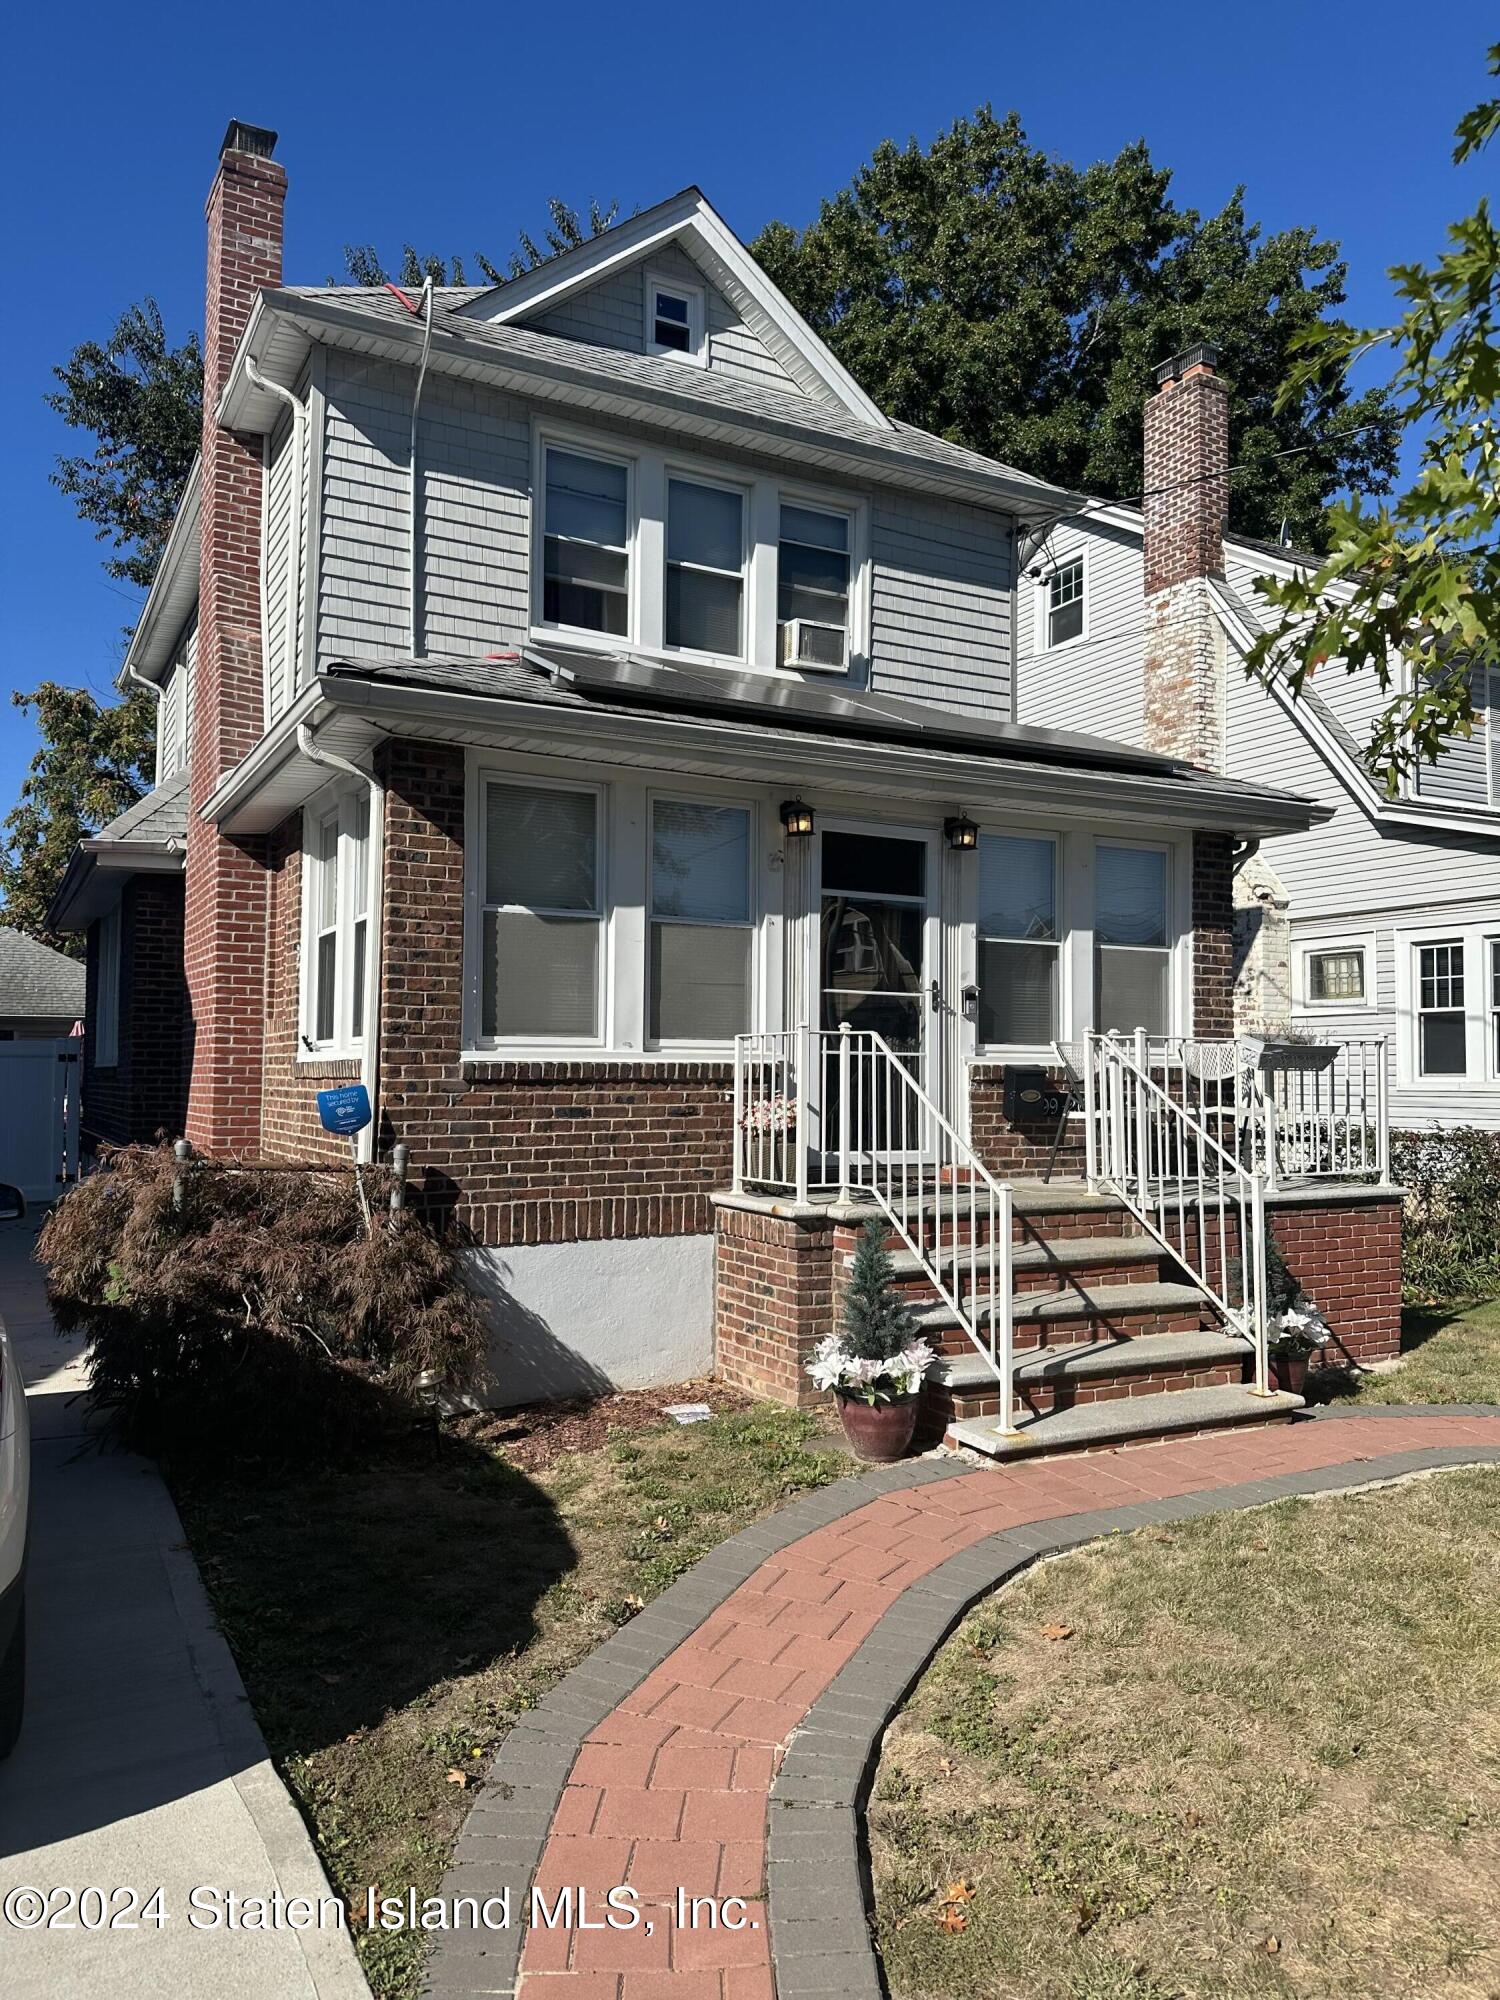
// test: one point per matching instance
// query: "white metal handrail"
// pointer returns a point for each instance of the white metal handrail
(1191, 1191)
(1293, 1110)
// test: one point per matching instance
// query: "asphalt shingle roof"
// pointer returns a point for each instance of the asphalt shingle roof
(37, 982)
(160, 816)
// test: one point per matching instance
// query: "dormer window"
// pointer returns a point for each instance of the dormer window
(674, 319)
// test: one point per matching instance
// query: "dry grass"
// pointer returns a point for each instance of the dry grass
(391, 1621)
(1449, 1354)
(1264, 1764)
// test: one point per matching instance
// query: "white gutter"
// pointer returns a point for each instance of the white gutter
(416, 476)
(370, 1053)
(294, 545)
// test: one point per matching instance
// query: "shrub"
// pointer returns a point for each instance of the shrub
(1450, 1228)
(254, 1312)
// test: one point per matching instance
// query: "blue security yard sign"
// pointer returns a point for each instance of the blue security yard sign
(346, 1109)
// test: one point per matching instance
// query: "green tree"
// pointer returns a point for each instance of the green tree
(1019, 305)
(565, 231)
(876, 1323)
(93, 762)
(1418, 580)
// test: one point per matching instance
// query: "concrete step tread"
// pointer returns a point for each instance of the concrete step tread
(1119, 1419)
(1063, 1253)
(1029, 1198)
(1072, 1302)
(1087, 1360)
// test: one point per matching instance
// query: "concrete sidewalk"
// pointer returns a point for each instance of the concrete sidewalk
(140, 1765)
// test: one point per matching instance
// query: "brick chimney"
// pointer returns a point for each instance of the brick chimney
(1186, 509)
(225, 941)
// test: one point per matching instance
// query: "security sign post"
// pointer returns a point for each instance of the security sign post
(347, 1109)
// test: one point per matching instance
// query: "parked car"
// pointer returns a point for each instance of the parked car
(15, 1484)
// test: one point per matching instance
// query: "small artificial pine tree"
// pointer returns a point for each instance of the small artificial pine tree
(876, 1323)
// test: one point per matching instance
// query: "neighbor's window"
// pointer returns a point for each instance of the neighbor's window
(1018, 941)
(1442, 1043)
(1132, 947)
(705, 601)
(107, 991)
(336, 887)
(542, 934)
(1064, 588)
(674, 319)
(1494, 947)
(812, 588)
(585, 543)
(701, 928)
(1336, 975)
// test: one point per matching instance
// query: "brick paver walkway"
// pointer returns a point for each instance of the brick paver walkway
(670, 1789)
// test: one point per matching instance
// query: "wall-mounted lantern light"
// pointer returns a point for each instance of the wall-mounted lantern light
(961, 833)
(797, 819)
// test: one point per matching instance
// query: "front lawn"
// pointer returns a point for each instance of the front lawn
(1251, 1757)
(390, 1622)
(1449, 1354)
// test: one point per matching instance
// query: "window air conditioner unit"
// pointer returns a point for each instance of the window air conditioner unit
(818, 648)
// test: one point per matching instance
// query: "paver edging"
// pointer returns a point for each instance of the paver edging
(817, 1859)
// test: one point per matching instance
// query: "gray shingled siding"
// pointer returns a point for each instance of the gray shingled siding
(940, 612)
(281, 673)
(364, 561)
(476, 471)
(609, 314)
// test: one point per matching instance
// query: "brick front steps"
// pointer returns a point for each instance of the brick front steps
(721, 1741)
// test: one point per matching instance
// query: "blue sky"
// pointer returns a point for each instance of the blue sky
(450, 126)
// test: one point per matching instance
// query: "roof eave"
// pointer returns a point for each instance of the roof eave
(173, 593)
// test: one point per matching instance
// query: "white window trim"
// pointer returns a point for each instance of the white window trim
(1478, 1064)
(345, 801)
(648, 470)
(694, 295)
(107, 991)
(754, 923)
(854, 643)
(1022, 1051)
(683, 476)
(1041, 586)
(1307, 949)
(1489, 959)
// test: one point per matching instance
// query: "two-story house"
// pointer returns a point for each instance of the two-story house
(579, 702)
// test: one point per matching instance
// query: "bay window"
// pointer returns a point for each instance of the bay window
(1442, 1030)
(812, 588)
(705, 585)
(586, 542)
(541, 943)
(1018, 943)
(701, 922)
(1132, 940)
(336, 919)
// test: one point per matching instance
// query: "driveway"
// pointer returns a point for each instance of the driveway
(140, 1766)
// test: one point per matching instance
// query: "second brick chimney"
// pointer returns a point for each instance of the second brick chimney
(225, 936)
(1186, 508)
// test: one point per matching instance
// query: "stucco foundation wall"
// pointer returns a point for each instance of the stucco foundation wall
(584, 1318)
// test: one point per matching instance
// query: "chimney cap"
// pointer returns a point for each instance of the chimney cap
(1202, 354)
(242, 138)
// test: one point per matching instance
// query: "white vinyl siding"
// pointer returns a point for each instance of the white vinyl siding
(1095, 683)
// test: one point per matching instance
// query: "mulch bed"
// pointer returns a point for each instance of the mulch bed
(534, 1436)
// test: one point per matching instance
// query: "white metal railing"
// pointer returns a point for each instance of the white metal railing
(1291, 1110)
(1157, 1151)
(861, 1126)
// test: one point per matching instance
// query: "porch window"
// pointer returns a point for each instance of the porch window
(1336, 975)
(701, 930)
(812, 588)
(1018, 941)
(543, 916)
(107, 991)
(1441, 1027)
(585, 545)
(1064, 605)
(336, 903)
(1132, 945)
(705, 568)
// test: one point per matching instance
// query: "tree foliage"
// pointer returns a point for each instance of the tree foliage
(93, 762)
(565, 231)
(1019, 305)
(876, 1324)
(1418, 580)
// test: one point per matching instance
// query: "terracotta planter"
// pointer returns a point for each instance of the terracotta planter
(879, 1433)
(1289, 1370)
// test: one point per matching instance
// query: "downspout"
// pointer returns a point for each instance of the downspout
(370, 1055)
(294, 550)
(153, 688)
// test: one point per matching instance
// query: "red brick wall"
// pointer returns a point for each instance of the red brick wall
(144, 1095)
(225, 935)
(289, 1127)
(1346, 1256)
(773, 1302)
(1020, 1151)
(1213, 936)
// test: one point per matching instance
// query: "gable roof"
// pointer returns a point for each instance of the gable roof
(149, 837)
(36, 982)
(689, 219)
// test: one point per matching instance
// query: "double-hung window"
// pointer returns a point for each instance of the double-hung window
(107, 991)
(586, 542)
(1132, 942)
(1018, 943)
(1492, 948)
(336, 891)
(705, 594)
(812, 588)
(541, 943)
(1063, 602)
(701, 922)
(1442, 1030)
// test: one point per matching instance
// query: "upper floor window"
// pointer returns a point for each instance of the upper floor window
(1132, 941)
(1063, 602)
(812, 589)
(586, 542)
(701, 922)
(336, 918)
(1018, 945)
(705, 594)
(541, 943)
(1442, 1030)
(674, 319)
(1336, 975)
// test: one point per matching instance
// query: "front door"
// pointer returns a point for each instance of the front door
(878, 957)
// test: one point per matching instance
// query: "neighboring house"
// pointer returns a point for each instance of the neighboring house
(41, 990)
(1385, 919)
(572, 676)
